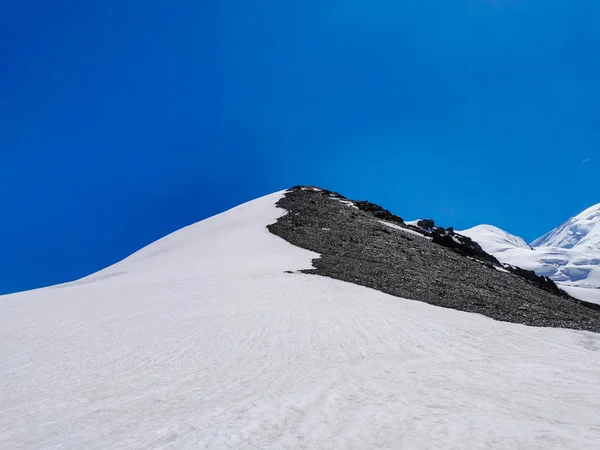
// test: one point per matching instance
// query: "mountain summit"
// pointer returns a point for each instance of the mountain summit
(301, 320)
(581, 232)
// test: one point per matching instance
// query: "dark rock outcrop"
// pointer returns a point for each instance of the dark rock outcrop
(370, 246)
(540, 281)
(378, 212)
(462, 244)
(426, 224)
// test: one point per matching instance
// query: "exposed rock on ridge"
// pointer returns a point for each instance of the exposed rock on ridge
(362, 243)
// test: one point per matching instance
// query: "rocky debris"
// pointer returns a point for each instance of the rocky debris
(446, 237)
(358, 248)
(378, 212)
(542, 282)
(426, 224)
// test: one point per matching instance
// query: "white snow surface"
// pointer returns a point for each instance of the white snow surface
(405, 230)
(202, 341)
(412, 222)
(581, 232)
(588, 294)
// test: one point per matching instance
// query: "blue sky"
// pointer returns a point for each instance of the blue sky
(123, 121)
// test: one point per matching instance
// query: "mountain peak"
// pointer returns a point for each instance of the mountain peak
(493, 239)
(581, 232)
(292, 321)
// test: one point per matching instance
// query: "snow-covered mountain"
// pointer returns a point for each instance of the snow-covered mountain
(581, 232)
(569, 254)
(494, 240)
(217, 337)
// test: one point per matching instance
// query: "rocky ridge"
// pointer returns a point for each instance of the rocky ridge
(365, 244)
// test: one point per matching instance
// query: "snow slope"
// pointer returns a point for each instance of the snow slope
(201, 340)
(581, 232)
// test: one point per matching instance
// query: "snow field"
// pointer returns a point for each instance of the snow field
(202, 340)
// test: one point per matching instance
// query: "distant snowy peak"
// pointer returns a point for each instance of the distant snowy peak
(494, 240)
(569, 255)
(581, 232)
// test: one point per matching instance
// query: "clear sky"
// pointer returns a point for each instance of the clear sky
(121, 121)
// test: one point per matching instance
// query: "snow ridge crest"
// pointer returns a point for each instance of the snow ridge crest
(581, 232)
